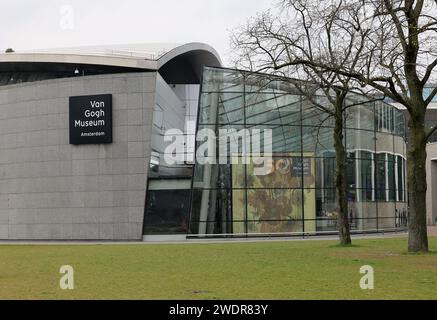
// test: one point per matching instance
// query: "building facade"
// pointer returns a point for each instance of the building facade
(297, 194)
(431, 162)
(431, 166)
(142, 174)
(51, 189)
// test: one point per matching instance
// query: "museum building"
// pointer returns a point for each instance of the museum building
(86, 134)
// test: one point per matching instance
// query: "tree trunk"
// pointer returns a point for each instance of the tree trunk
(340, 179)
(417, 228)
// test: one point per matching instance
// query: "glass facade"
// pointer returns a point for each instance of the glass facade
(168, 187)
(167, 212)
(250, 122)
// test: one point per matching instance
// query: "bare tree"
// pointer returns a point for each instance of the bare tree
(266, 43)
(383, 45)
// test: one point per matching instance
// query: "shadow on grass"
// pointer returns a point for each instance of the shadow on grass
(345, 246)
(429, 253)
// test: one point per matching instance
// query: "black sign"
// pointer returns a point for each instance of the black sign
(91, 119)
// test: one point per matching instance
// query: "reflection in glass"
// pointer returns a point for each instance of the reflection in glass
(297, 193)
(167, 212)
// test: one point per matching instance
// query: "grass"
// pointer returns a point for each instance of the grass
(265, 270)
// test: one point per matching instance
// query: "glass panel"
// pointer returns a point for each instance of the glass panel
(262, 108)
(399, 119)
(360, 140)
(391, 177)
(388, 119)
(401, 215)
(360, 213)
(295, 192)
(360, 117)
(214, 210)
(284, 138)
(318, 141)
(401, 178)
(222, 80)
(387, 223)
(214, 176)
(282, 172)
(327, 224)
(366, 175)
(224, 107)
(167, 212)
(325, 205)
(351, 176)
(369, 224)
(329, 176)
(276, 227)
(381, 177)
(256, 82)
(239, 228)
(274, 204)
(313, 115)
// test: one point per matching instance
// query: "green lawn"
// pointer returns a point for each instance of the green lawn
(265, 270)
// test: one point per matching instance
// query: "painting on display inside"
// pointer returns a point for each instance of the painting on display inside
(281, 201)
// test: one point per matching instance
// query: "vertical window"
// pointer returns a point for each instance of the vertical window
(329, 179)
(391, 178)
(385, 117)
(351, 176)
(401, 178)
(380, 177)
(366, 176)
(379, 118)
(392, 120)
(405, 179)
(167, 212)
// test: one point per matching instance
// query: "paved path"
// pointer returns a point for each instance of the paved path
(206, 241)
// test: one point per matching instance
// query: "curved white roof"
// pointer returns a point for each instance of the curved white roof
(144, 56)
(148, 51)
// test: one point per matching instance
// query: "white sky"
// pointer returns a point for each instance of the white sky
(31, 24)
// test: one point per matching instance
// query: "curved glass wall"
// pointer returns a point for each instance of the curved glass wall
(265, 161)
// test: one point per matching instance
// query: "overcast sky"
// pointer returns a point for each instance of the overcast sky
(30, 24)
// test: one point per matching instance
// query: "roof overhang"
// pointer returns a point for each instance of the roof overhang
(127, 60)
(78, 59)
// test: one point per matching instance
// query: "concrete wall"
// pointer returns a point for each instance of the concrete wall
(50, 189)
(431, 179)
